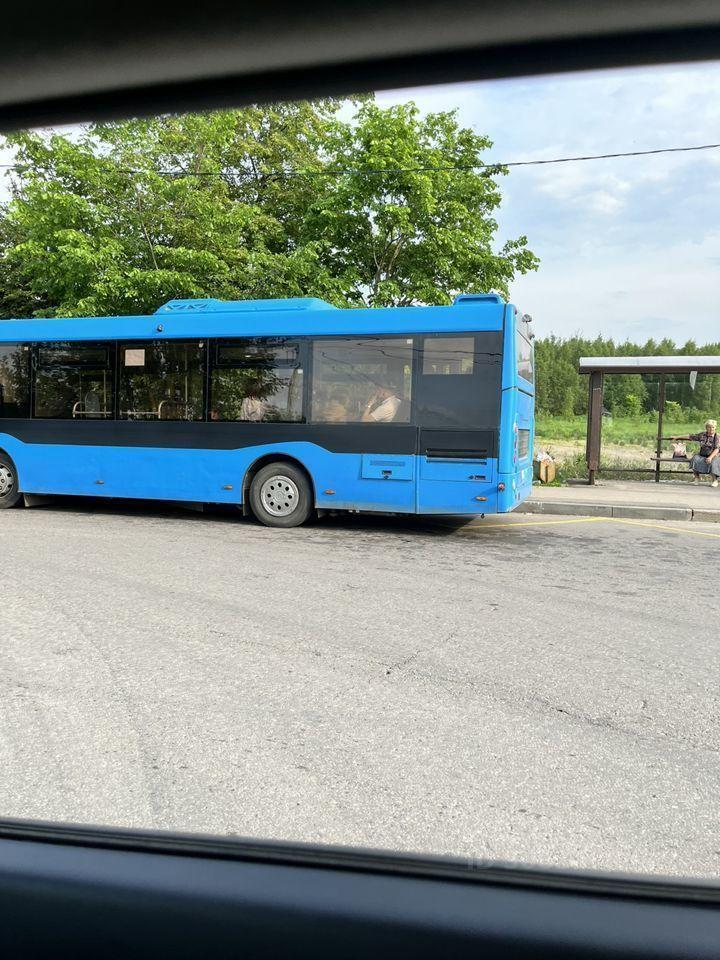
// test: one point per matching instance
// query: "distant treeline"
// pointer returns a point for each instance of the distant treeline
(562, 391)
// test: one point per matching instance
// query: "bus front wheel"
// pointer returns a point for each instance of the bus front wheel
(9, 492)
(280, 495)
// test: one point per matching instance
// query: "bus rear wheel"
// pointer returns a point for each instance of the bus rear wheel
(280, 495)
(9, 493)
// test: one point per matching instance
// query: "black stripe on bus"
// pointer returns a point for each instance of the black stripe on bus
(336, 438)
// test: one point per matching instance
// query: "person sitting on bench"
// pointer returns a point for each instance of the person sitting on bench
(708, 459)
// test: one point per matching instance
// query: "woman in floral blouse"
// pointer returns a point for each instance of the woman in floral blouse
(708, 459)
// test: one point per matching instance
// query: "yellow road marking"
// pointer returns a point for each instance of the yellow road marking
(489, 525)
(531, 523)
(666, 529)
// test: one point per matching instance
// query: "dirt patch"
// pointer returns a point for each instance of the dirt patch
(625, 453)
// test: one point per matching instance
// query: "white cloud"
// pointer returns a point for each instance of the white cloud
(628, 246)
(601, 201)
(582, 185)
(671, 292)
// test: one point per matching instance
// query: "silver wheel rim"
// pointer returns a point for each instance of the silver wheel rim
(280, 496)
(7, 481)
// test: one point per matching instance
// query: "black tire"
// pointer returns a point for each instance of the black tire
(9, 493)
(281, 495)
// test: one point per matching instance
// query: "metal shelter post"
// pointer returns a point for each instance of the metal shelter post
(661, 411)
(594, 428)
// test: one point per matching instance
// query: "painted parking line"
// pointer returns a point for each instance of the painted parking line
(664, 527)
(489, 525)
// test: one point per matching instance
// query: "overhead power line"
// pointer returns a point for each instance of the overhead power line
(387, 171)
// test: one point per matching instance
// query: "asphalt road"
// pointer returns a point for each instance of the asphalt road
(529, 690)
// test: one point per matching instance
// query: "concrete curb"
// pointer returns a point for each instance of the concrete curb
(565, 507)
(621, 511)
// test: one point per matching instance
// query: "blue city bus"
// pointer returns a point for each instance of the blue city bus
(284, 408)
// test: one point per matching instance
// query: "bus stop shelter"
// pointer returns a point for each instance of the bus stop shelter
(597, 367)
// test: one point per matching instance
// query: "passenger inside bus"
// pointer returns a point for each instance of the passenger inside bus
(382, 405)
(337, 409)
(254, 406)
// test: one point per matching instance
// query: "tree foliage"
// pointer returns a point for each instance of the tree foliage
(562, 391)
(288, 200)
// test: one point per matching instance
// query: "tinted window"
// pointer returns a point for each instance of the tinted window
(257, 380)
(256, 353)
(523, 444)
(73, 354)
(362, 380)
(74, 381)
(460, 386)
(14, 380)
(161, 380)
(448, 356)
(525, 359)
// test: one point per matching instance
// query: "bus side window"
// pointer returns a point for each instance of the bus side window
(74, 381)
(367, 379)
(14, 380)
(161, 380)
(257, 380)
(448, 356)
(459, 382)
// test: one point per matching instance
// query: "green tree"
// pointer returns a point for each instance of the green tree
(136, 213)
(249, 204)
(559, 386)
(404, 223)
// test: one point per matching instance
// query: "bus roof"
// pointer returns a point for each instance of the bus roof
(183, 319)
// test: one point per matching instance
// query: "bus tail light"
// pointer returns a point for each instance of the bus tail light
(501, 487)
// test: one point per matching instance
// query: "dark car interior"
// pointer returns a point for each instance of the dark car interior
(84, 891)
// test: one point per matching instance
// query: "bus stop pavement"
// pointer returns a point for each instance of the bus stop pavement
(629, 499)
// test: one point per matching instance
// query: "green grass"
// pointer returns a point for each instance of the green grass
(616, 432)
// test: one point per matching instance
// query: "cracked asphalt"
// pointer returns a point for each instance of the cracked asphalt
(523, 690)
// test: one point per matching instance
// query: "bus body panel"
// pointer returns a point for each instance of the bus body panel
(240, 320)
(517, 420)
(457, 487)
(458, 445)
(342, 481)
(204, 476)
(517, 437)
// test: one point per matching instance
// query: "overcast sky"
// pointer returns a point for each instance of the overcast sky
(629, 247)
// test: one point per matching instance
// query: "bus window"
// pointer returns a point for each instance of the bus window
(362, 380)
(448, 356)
(14, 380)
(257, 380)
(74, 381)
(525, 359)
(460, 381)
(161, 380)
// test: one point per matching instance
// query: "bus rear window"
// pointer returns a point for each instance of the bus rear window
(525, 359)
